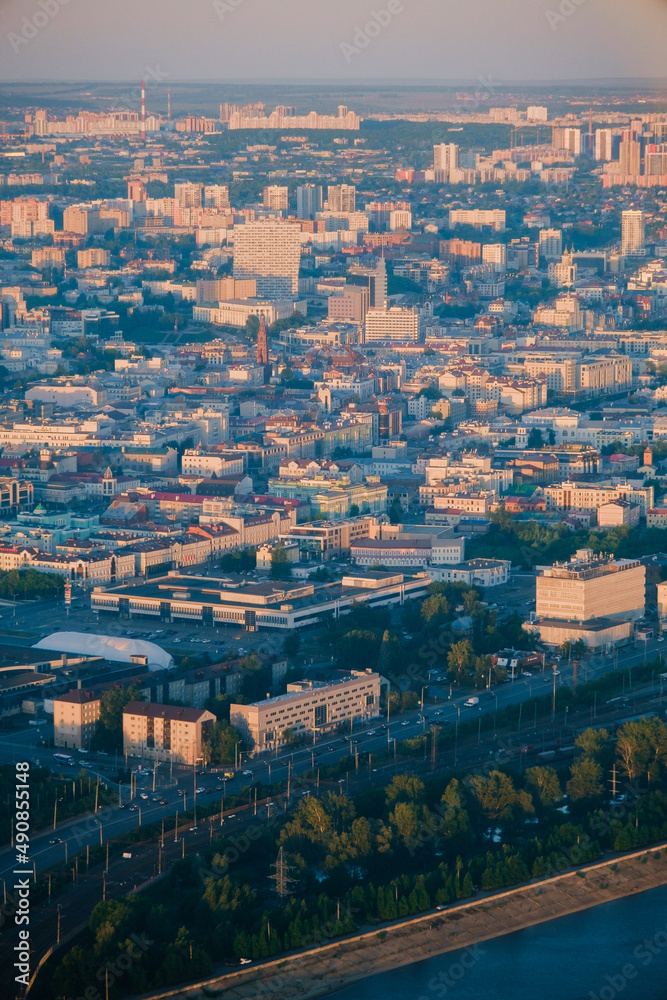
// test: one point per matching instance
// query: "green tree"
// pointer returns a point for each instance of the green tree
(544, 784)
(281, 567)
(461, 660)
(585, 780)
(535, 439)
(109, 731)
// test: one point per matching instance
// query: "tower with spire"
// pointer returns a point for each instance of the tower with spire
(262, 342)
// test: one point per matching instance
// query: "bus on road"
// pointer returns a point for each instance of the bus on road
(63, 758)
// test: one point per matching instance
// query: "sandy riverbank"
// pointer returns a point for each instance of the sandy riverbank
(320, 971)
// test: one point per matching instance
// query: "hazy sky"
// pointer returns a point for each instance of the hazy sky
(318, 39)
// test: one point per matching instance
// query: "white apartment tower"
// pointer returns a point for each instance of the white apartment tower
(633, 232)
(603, 144)
(308, 201)
(216, 196)
(342, 197)
(188, 195)
(276, 197)
(445, 159)
(551, 244)
(269, 252)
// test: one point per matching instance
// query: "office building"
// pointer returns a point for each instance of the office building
(395, 325)
(270, 253)
(75, 717)
(591, 586)
(276, 604)
(308, 201)
(633, 234)
(166, 732)
(342, 198)
(276, 197)
(351, 304)
(309, 708)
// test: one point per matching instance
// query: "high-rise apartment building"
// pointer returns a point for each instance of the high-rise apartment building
(308, 201)
(551, 244)
(603, 144)
(629, 156)
(276, 197)
(342, 198)
(633, 232)
(445, 159)
(269, 252)
(216, 196)
(380, 297)
(496, 255)
(567, 138)
(188, 195)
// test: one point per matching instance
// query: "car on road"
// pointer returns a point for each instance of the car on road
(247, 774)
(86, 764)
(200, 790)
(405, 723)
(526, 673)
(233, 816)
(329, 748)
(143, 795)
(55, 840)
(103, 753)
(156, 798)
(134, 809)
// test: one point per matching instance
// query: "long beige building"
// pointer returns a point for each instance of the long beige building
(309, 708)
(589, 496)
(591, 586)
(165, 732)
(75, 717)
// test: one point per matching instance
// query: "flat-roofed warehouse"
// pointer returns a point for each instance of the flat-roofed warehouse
(236, 601)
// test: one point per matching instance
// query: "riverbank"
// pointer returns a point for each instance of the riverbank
(321, 971)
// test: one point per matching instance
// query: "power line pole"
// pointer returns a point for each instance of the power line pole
(282, 876)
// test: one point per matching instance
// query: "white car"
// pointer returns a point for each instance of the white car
(247, 774)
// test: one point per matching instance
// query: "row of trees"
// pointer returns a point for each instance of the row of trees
(393, 852)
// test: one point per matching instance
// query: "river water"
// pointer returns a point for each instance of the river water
(615, 950)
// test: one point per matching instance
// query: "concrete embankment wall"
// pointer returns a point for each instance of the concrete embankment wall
(319, 971)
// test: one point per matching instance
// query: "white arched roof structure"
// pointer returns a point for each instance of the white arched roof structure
(112, 647)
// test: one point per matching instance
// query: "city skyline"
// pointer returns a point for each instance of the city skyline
(398, 39)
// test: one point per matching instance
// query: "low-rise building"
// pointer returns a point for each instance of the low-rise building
(309, 708)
